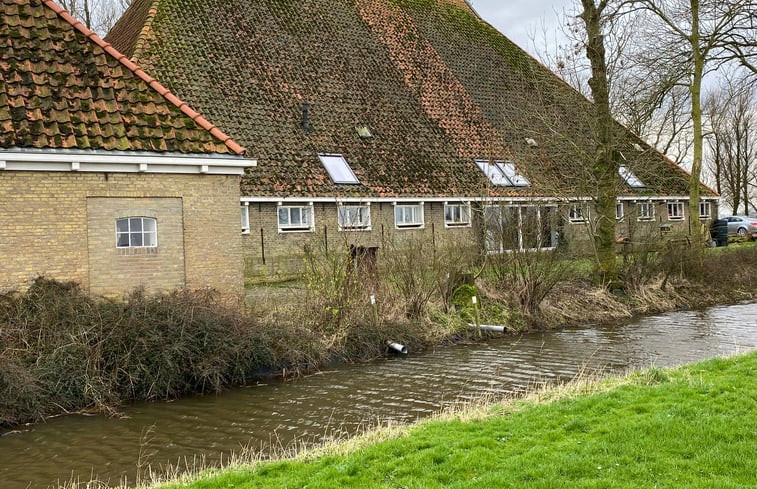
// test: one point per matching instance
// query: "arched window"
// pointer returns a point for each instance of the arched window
(136, 232)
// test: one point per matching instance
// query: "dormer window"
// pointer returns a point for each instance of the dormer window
(338, 169)
(502, 173)
(628, 177)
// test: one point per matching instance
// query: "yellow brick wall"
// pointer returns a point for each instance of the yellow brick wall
(62, 225)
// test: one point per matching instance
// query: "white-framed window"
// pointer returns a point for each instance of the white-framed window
(675, 211)
(245, 217)
(705, 209)
(645, 211)
(526, 227)
(354, 217)
(338, 169)
(408, 215)
(578, 213)
(502, 173)
(629, 177)
(619, 210)
(295, 218)
(137, 232)
(457, 215)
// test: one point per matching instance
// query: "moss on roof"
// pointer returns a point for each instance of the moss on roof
(436, 85)
(60, 89)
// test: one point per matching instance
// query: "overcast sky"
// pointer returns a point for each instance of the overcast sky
(519, 19)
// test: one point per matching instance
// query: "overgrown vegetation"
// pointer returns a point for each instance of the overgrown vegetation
(62, 350)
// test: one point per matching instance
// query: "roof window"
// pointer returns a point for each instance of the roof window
(631, 179)
(338, 168)
(364, 132)
(503, 173)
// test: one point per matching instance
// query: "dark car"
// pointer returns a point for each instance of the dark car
(742, 225)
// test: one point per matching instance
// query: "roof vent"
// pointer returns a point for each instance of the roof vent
(305, 122)
(638, 147)
(531, 142)
(364, 132)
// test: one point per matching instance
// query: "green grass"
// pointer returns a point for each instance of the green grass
(692, 427)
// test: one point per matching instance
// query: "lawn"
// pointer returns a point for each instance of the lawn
(692, 427)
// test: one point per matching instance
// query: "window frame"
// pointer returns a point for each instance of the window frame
(245, 217)
(584, 214)
(672, 216)
(643, 216)
(465, 209)
(128, 233)
(332, 162)
(340, 213)
(498, 209)
(295, 228)
(414, 225)
(620, 216)
(708, 204)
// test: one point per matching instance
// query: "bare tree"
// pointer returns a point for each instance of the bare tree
(98, 15)
(695, 37)
(732, 114)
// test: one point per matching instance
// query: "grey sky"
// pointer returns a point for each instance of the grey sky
(518, 19)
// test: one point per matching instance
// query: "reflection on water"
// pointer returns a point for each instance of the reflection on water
(347, 397)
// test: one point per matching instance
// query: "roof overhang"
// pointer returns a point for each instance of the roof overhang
(122, 162)
(456, 198)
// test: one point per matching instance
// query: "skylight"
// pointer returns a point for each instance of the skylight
(631, 179)
(338, 168)
(508, 168)
(502, 173)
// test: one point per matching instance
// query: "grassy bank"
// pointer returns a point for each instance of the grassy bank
(690, 427)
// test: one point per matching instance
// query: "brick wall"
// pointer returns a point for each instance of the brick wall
(284, 252)
(284, 255)
(62, 225)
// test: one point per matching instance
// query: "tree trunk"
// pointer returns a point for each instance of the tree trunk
(696, 117)
(605, 167)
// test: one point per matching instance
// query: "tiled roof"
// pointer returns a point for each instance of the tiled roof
(436, 86)
(62, 87)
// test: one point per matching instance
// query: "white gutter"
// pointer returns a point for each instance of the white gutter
(123, 162)
(338, 200)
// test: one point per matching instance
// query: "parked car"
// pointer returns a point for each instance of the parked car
(742, 225)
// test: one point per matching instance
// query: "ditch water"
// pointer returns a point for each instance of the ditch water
(340, 401)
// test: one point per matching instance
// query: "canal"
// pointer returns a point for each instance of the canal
(340, 401)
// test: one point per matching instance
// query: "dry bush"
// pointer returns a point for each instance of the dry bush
(416, 274)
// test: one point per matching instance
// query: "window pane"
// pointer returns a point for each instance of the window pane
(135, 224)
(398, 215)
(338, 169)
(122, 240)
(305, 216)
(295, 217)
(122, 225)
(150, 239)
(136, 239)
(283, 216)
(149, 224)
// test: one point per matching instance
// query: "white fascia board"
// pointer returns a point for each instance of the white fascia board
(402, 199)
(123, 163)
(340, 200)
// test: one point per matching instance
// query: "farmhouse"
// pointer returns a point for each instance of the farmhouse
(106, 177)
(379, 120)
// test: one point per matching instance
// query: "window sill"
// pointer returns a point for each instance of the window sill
(296, 230)
(410, 226)
(354, 229)
(457, 225)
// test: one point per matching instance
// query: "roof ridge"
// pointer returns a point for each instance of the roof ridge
(139, 43)
(152, 82)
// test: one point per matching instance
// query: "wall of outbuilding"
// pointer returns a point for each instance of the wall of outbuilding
(62, 225)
